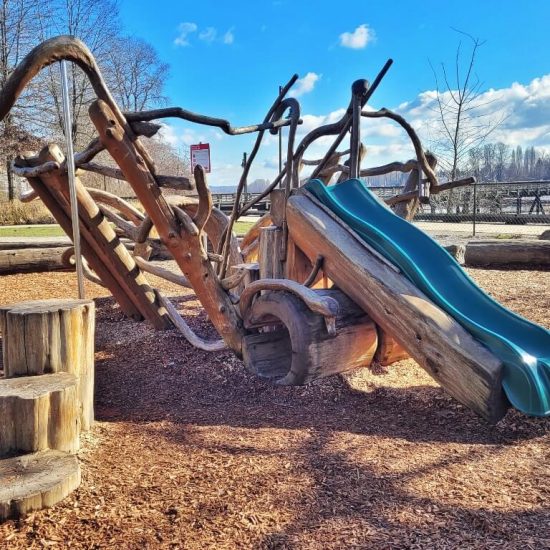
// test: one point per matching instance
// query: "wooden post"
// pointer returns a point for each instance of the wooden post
(35, 481)
(39, 413)
(51, 336)
(269, 256)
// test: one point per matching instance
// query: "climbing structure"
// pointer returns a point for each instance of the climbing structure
(319, 285)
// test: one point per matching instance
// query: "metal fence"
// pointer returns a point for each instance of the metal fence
(515, 208)
(484, 209)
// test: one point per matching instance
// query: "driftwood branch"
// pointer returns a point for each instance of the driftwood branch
(28, 196)
(173, 182)
(423, 161)
(314, 272)
(103, 197)
(205, 198)
(185, 329)
(434, 190)
(158, 271)
(323, 305)
(35, 171)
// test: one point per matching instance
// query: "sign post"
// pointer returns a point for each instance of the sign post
(200, 154)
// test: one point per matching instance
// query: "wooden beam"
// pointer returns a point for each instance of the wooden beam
(101, 237)
(186, 249)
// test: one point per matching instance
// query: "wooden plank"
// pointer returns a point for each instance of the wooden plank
(463, 367)
(269, 257)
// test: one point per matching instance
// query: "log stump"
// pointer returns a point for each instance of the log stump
(35, 481)
(39, 413)
(50, 336)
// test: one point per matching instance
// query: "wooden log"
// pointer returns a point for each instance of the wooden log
(50, 336)
(39, 413)
(457, 251)
(35, 481)
(516, 252)
(15, 243)
(300, 349)
(545, 235)
(33, 260)
(269, 256)
(186, 249)
(465, 368)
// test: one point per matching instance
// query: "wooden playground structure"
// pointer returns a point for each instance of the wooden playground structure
(302, 296)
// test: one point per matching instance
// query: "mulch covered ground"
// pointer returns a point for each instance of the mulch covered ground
(190, 451)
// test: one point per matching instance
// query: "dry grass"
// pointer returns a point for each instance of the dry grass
(190, 451)
(20, 213)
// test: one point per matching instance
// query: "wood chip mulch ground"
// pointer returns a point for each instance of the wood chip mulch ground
(190, 451)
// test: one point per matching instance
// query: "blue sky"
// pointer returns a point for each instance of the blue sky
(228, 58)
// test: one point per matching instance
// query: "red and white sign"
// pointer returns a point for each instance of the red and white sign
(200, 154)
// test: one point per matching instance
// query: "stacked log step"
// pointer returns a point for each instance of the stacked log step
(46, 400)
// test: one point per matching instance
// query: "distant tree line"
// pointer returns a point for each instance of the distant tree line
(501, 162)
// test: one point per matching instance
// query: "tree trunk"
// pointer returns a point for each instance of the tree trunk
(50, 336)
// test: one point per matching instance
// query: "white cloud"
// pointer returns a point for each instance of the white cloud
(229, 37)
(305, 85)
(358, 39)
(185, 29)
(208, 35)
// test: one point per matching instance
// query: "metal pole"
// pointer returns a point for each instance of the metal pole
(475, 210)
(280, 143)
(67, 122)
(245, 187)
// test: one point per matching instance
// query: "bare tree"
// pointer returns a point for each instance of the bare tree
(17, 33)
(96, 23)
(135, 73)
(466, 118)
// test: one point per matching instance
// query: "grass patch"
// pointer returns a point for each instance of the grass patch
(241, 228)
(32, 231)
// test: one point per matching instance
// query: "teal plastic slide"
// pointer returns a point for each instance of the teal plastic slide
(522, 346)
